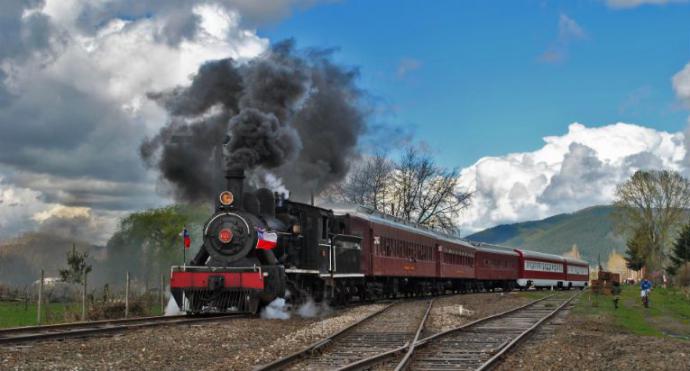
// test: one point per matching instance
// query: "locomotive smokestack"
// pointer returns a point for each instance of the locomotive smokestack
(235, 178)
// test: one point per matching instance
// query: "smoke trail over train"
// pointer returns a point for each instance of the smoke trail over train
(291, 114)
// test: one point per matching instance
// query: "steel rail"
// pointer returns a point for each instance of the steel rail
(505, 346)
(83, 329)
(58, 326)
(410, 350)
(513, 343)
(378, 358)
(369, 361)
(284, 361)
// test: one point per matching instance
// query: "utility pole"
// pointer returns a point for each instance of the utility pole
(127, 296)
(40, 299)
(83, 298)
(160, 294)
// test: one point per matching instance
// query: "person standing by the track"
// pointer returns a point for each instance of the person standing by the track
(645, 288)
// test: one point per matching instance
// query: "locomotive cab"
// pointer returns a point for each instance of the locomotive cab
(316, 252)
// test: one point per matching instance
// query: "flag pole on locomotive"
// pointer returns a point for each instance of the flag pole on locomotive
(186, 242)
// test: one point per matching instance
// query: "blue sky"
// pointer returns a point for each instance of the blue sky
(479, 78)
(471, 79)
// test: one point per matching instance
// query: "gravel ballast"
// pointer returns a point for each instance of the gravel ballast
(237, 344)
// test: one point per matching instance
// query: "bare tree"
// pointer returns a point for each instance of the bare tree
(653, 202)
(414, 189)
(367, 182)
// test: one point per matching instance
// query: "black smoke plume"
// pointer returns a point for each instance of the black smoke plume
(296, 115)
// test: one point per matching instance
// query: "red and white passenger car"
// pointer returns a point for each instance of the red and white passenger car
(546, 270)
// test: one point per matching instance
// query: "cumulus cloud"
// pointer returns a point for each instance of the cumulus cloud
(569, 31)
(178, 16)
(74, 75)
(578, 169)
(17, 207)
(681, 84)
(626, 4)
(76, 223)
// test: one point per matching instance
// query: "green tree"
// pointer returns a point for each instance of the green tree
(680, 253)
(654, 202)
(148, 242)
(76, 266)
(637, 249)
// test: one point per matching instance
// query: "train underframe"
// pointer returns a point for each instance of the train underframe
(218, 290)
(201, 289)
(339, 291)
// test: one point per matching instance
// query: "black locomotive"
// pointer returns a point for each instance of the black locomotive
(258, 246)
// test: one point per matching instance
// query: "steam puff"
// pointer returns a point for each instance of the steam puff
(294, 114)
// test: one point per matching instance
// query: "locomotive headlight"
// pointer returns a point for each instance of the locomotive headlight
(226, 198)
(225, 235)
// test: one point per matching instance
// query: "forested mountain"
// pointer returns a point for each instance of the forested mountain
(591, 229)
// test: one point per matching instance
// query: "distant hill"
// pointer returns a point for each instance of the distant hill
(22, 258)
(590, 229)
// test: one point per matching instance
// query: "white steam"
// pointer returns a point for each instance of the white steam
(310, 309)
(277, 309)
(172, 309)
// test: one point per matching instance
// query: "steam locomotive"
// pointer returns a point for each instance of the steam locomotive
(260, 246)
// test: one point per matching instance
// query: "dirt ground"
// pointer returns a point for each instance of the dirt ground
(593, 343)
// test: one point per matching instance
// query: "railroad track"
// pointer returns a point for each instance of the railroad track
(397, 324)
(477, 345)
(94, 328)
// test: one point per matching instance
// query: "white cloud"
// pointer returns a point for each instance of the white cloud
(568, 32)
(568, 29)
(625, 4)
(681, 84)
(578, 169)
(17, 206)
(80, 96)
(61, 211)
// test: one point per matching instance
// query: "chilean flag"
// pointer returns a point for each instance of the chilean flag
(266, 240)
(187, 240)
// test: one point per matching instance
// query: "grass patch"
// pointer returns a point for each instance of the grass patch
(13, 314)
(668, 314)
